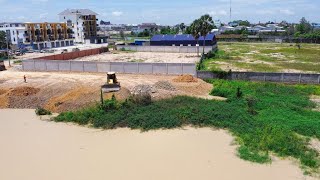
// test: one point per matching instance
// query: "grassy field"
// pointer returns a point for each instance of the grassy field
(266, 119)
(266, 57)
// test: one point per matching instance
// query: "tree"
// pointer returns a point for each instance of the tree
(194, 29)
(122, 34)
(182, 27)
(244, 23)
(3, 41)
(304, 26)
(206, 25)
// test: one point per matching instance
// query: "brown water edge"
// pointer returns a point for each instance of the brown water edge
(35, 149)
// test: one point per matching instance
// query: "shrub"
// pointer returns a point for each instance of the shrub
(41, 111)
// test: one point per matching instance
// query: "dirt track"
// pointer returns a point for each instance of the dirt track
(70, 91)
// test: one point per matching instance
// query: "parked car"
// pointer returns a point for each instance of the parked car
(64, 51)
(75, 49)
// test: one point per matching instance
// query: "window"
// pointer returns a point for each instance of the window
(14, 39)
(12, 32)
(77, 22)
(17, 32)
(64, 17)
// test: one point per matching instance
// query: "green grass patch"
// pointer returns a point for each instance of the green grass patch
(265, 118)
(283, 56)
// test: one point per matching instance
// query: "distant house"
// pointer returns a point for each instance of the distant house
(145, 27)
(182, 40)
(315, 25)
(240, 27)
(233, 24)
(223, 29)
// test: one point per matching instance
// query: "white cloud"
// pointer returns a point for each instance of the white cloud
(218, 13)
(286, 12)
(43, 15)
(117, 13)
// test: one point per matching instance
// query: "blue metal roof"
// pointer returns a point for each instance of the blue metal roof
(180, 37)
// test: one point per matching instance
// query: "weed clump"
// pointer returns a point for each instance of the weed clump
(41, 112)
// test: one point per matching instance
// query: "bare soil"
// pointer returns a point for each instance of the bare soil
(151, 57)
(60, 92)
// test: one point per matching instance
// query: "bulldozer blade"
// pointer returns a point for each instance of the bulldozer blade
(110, 88)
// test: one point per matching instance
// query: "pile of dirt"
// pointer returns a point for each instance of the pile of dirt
(142, 89)
(185, 78)
(24, 91)
(73, 100)
(165, 85)
(3, 98)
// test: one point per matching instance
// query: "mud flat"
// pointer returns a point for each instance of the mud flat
(35, 149)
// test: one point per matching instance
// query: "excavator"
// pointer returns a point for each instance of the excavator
(112, 84)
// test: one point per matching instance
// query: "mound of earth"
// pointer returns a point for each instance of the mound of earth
(24, 91)
(142, 89)
(165, 85)
(75, 99)
(185, 78)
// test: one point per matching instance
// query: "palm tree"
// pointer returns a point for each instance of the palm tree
(195, 31)
(206, 25)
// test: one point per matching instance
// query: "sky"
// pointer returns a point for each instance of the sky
(165, 12)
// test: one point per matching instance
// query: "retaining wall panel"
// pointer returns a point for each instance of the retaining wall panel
(159, 68)
(64, 65)
(77, 66)
(90, 67)
(52, 66)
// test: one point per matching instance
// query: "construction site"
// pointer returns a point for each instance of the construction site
(59, 92)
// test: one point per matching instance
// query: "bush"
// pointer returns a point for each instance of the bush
(41, 111)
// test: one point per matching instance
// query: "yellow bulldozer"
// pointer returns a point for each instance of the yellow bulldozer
(112, 84)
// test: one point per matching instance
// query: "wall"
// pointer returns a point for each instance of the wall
(169, 49)
(267, 77)
(119, 67)
(74, 55)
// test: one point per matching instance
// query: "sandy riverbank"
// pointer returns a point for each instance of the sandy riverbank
(34, 149)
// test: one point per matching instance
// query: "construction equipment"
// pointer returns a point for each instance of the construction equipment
(112, 84)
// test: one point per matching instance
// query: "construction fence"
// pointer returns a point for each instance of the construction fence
(294, 78)
(74, 55)
(119, 67)
(167, 49)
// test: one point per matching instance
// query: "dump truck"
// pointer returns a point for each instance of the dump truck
(112, 84)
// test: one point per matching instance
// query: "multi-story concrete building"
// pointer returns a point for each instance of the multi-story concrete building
(38, 35)
(84, 25)
(14, 32)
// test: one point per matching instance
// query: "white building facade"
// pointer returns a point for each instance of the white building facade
(83, 22)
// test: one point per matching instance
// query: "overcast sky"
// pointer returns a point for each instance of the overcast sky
(163, 11)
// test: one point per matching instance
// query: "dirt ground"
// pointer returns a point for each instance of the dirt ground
(151, 57)
(60, 92)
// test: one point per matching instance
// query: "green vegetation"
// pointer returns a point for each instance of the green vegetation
(265, 118)
(42, 112)
(17, 62)
(265, 57)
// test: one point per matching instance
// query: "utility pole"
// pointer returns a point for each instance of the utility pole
(7, 39)
(230, 11)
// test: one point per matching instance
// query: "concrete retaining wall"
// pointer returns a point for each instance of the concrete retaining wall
(168, 49)
(294, 78)
(119, 67)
